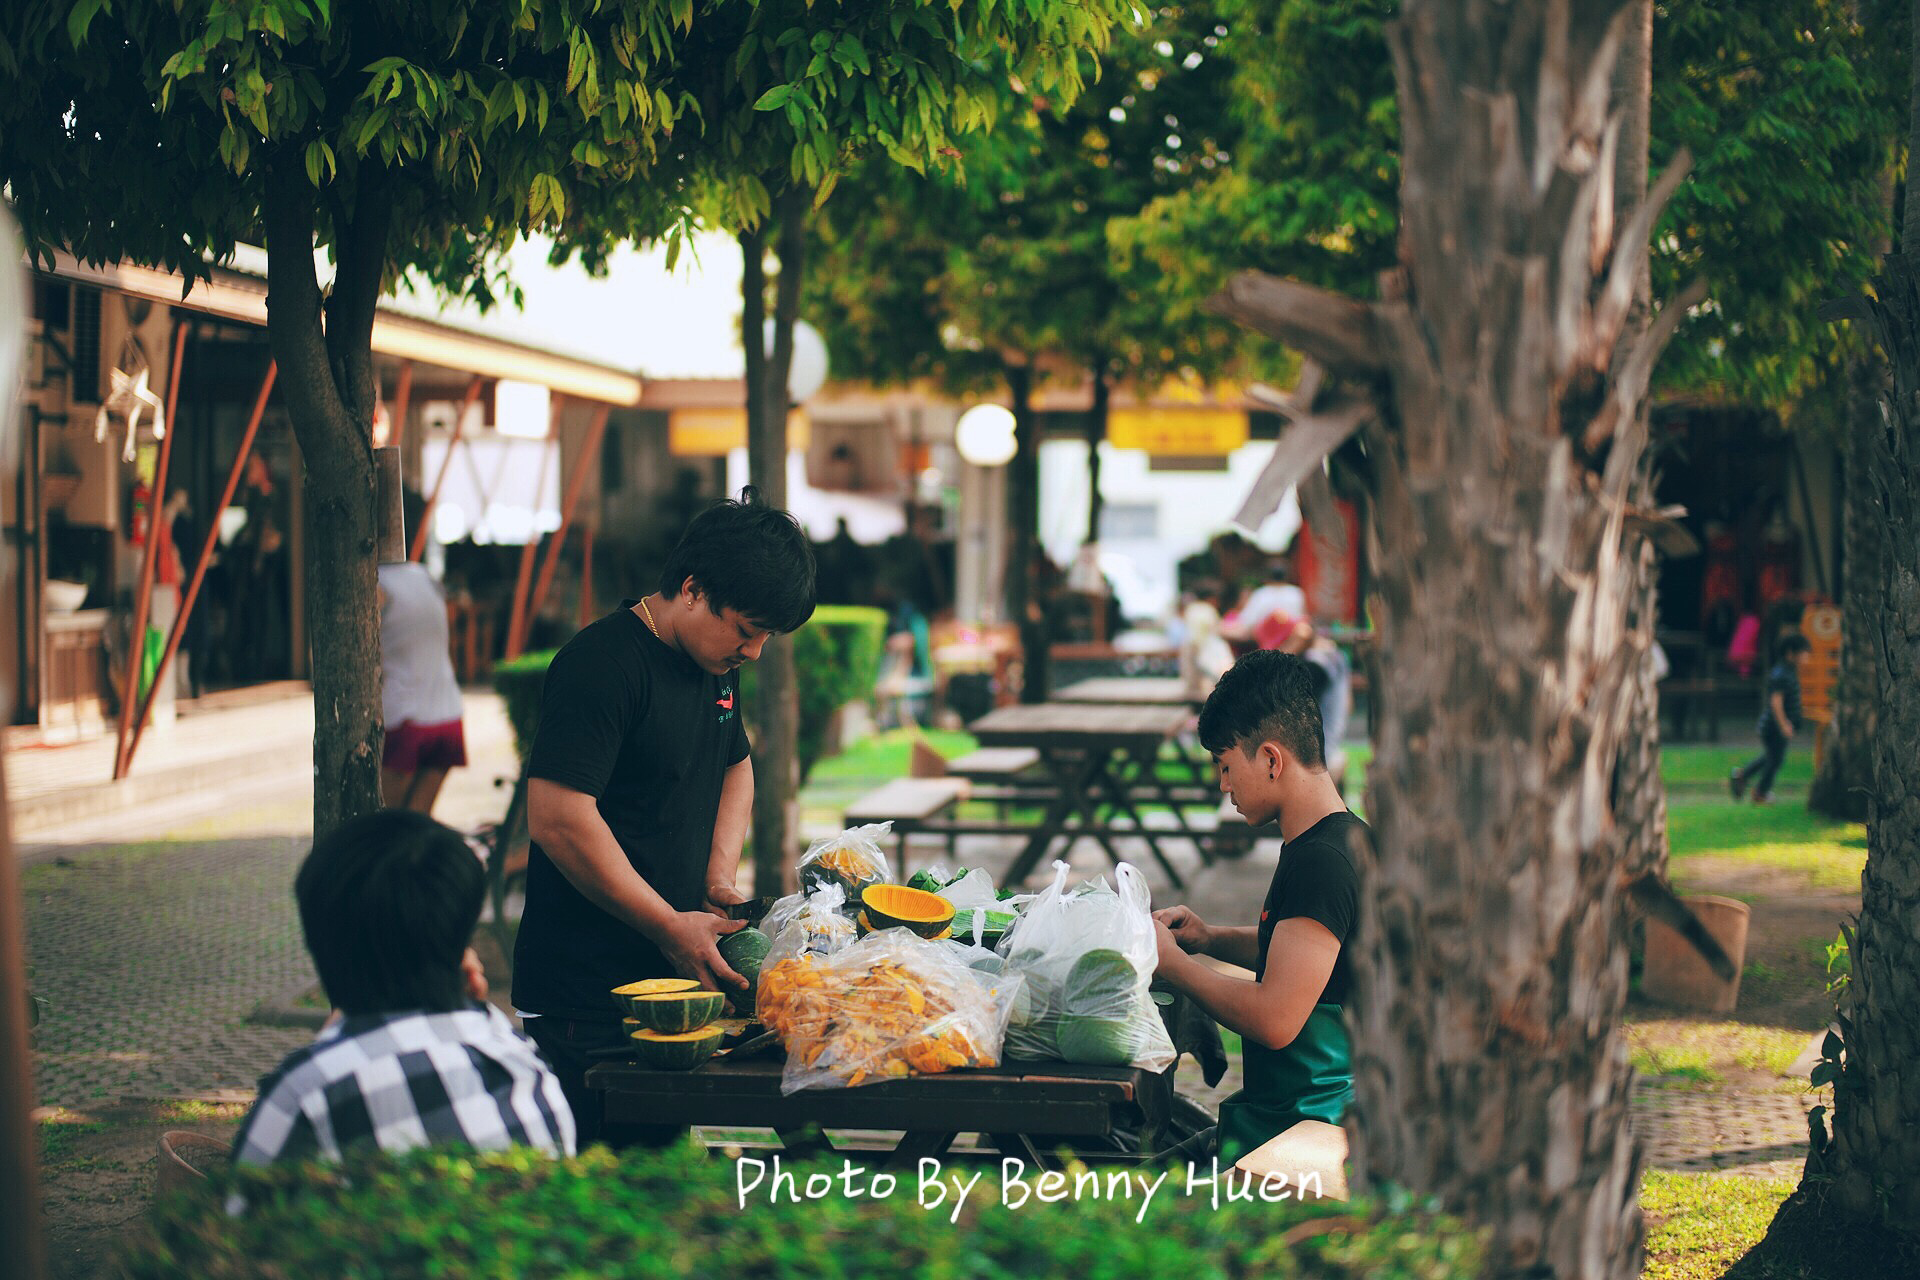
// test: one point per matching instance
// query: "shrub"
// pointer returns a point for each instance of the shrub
(836, 660)
(836, 657)
(676, 1213)
(519, 681)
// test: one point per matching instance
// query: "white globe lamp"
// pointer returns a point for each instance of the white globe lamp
(808, 372)
(985, 435)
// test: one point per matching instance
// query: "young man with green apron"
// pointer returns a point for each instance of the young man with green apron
(1262, 724)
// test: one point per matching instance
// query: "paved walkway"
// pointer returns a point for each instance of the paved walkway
(156, 930)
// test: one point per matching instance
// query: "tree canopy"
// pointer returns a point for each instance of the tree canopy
(1788, 110)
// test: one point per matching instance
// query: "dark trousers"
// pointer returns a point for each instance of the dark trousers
(1759, 772)
(568, 1044)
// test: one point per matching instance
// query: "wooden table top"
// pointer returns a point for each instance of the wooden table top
(1078, 724)
(1024, 1097)
(1126, 690)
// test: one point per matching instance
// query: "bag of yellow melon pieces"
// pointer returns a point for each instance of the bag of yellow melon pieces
(853, 860)
(814, 923)
(889, 1006)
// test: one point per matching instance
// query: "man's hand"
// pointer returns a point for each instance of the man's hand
(1185, 928)
(691, 945)
(473, 975)
(1168, 947)
(722, 896)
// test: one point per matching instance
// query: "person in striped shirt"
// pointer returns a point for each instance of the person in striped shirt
(415, 1055)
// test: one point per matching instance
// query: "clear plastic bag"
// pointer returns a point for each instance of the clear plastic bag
(889, 1006)
(808, 924)
(1088, 956)
(853, 860)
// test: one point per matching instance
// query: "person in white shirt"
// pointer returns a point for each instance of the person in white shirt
(420, 698)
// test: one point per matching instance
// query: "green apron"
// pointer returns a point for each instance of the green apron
(1310, 1079)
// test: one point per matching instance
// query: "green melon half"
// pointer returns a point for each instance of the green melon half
(623, 995)
(673, 1012)
(682, 1051)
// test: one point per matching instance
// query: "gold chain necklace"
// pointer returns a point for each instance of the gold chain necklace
(648, 614)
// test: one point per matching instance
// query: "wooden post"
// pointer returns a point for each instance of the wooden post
(433, 497)
(207, 547)
(390, 514)
(518, 624)
(589, 454)
(149, 562)
(397, 411)
(586, 574)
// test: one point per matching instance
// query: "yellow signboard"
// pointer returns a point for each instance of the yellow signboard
(1188, 432)
(712, 433)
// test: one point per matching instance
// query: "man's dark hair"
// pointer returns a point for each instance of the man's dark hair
(389, 902)
(1267, 696)
(1793, 643)
(749, 557)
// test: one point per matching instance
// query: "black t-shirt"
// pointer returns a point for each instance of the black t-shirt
(1316, 879)
(638, 726)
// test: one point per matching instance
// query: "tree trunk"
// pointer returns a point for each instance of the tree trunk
(1640, 797)
(1875, 1147)
(1843, 777)
(1490, 957)
(1096, 432)
(325, 355)
(776, 754)
(1025, 605)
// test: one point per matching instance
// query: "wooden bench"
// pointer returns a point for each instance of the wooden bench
(910, 804)
(1001, 769)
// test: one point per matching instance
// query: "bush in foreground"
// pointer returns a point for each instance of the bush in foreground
(677, 1213)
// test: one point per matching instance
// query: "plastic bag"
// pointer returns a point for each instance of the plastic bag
(853, 860)
(1088, 956)
(889, 1006)
(808, 924)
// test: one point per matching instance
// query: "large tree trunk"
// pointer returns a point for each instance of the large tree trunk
(1640, 797)
(776, 771)
(1843, 776)
(325, 353)
(1875, 1147)
(1491, 958)
(1024, 604)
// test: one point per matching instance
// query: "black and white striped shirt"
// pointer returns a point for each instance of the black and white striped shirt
(398, 1081)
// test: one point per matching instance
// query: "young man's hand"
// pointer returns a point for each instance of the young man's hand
(474, 975)
(722, 896)
(1167, 948)
(1185, 928)
(691, 945)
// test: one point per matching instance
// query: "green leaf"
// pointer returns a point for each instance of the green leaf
(774, 98)
(81, 17)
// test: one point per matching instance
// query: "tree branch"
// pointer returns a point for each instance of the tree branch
(1630, 384)
(1337, 331)
(1616, 297)
(1301, 448)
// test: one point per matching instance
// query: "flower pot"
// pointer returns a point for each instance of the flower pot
(1676, 974)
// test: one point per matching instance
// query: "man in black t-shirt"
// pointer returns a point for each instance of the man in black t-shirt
(1262, 724)
(640, 785)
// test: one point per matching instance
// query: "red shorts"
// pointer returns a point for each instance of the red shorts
(412, 747)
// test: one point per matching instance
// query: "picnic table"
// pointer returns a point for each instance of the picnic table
(1025, 1109)
(1100, 762)
(1129, 691)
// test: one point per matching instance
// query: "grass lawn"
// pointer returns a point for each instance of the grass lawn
(1699, 1224)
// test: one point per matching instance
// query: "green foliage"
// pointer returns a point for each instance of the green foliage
(519, 682)
(1792, 112)
(675, 1212)
(939, 273)
(836, 658)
